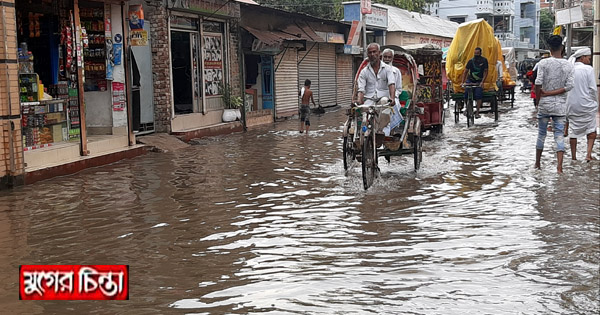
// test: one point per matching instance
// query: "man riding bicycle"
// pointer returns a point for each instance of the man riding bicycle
(475, 74)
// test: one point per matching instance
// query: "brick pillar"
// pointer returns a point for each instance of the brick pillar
(158, 17)
(235, 59)
(11, 150)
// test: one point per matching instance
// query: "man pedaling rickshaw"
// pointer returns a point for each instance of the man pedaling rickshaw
(376, 81)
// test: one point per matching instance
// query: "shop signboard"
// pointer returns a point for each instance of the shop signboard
(354, 34)
(215, 7)
(335, 38)
(365, 7)
(569, 16)
(139, 37)
(351, 50)
(377, 18)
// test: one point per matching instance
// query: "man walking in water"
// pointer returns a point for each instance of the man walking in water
(582, 102)
(554, 79)
(306, 95)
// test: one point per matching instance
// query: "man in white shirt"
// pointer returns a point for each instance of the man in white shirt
(554, 79)
(582, 102)
(499, 80)
(377, 79)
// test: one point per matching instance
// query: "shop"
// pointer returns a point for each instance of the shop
(203, 63)
(72, 79)
(328, 69)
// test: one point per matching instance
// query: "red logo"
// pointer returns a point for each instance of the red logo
(74, 282)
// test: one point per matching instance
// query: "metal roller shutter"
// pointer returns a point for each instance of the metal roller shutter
(327, 79)
(344, 79)
(286, 83)
(308, 68)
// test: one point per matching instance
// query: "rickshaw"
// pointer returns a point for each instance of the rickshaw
(430, 89)
(477, 33)
(365, 138)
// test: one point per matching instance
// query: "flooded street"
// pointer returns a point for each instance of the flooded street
(267, 222)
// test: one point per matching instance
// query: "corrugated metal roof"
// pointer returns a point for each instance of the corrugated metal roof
(400, 20)
(267, 37)
(297, 31)
(247, 1)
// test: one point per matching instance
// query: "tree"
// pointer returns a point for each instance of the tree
(333, 9)
(546, 27)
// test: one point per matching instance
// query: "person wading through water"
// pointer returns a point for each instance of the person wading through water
(307, 96)
(554, 79)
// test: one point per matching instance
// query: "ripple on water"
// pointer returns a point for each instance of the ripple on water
(268, 222)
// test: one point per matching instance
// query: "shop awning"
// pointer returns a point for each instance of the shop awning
(291, 32)
(267, 37)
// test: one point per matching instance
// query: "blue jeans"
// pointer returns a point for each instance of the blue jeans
(558, 125)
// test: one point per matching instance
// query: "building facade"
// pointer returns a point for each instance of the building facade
(515, 22)
(65, 87)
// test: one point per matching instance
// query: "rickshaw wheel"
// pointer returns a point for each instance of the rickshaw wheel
(417, 150)
(495, 111)
(470, 114)
(457, 106)
(369, 162)
(348, 153)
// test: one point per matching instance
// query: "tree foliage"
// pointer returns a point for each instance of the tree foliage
(333, 9)
(546, 27)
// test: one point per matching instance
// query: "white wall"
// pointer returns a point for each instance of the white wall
(456, 8)
(119, 117)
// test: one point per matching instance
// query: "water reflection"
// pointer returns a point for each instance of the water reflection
(267, 222)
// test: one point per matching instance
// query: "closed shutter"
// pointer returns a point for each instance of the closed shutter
(327, 85)
(286, 83)
(344, 78)
(308, 68)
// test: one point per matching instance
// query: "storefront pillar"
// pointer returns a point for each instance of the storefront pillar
(11, 145)
(127, 53)
(79, 50)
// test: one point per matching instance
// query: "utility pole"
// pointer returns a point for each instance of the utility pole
(365, 8)
(596, 51)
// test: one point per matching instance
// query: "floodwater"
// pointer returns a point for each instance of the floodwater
(267, 222)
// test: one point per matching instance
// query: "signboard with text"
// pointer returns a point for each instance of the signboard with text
(365, 6)
(377, 18)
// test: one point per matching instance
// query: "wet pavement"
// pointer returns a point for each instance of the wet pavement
(267, 222)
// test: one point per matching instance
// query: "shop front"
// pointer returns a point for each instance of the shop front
(72, 80)
(203, 64)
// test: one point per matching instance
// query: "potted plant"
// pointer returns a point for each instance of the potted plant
(233, 103)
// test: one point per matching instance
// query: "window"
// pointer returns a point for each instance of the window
(457, 19)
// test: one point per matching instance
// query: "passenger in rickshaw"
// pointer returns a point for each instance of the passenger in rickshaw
(396, 117)
(376, 81)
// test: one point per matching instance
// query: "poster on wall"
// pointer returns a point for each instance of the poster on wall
(213, 63)
(136, 17)
(139, 37)
(118, 96)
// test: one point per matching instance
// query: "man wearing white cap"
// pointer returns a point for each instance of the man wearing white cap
(582, 102)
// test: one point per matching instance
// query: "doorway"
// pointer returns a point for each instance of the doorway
(182, 65)
(267, 81)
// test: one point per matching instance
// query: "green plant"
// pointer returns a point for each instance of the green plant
(231, 101)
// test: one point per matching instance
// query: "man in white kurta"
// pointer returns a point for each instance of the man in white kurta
(396, 117)
(582, 102)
